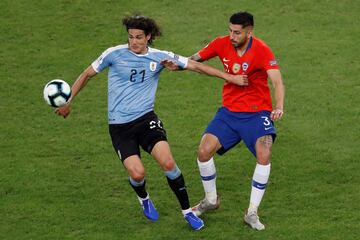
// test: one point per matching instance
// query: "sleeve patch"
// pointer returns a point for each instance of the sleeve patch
(273, 62)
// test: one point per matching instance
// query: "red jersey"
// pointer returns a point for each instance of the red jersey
(257, 59)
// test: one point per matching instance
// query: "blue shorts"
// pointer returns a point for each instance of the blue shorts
(232, 127)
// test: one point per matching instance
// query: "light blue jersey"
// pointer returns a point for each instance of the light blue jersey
(132, 80)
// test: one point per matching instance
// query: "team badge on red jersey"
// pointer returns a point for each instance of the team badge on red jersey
(245, 66)
(236, 68)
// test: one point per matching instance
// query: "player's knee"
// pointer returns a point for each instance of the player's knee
(263, 149)
(138, 177)
(263, 156)
(168, 164)
(137, 174)
(204, 153)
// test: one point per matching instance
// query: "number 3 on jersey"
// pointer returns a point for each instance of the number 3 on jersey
(136, 76)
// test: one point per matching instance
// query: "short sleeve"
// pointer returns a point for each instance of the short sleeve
(210, 50)
(179, 60)
(102, 62)
(268, 60)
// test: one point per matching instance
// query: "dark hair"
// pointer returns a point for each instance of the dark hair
(242, 18)
(148, 25)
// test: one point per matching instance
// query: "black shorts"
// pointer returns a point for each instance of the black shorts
(145, 131)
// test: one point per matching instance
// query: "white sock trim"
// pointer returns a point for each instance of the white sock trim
(262, 173)
(142, 199)
(186, 211)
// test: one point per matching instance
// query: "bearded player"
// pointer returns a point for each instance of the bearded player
(246, 113)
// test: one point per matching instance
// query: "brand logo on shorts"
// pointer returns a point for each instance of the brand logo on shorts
(153, 66)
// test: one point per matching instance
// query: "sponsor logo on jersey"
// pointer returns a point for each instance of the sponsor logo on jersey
(236, 67)
(153, 66)
(245, 66)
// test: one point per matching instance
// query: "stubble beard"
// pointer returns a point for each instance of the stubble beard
(239, 45)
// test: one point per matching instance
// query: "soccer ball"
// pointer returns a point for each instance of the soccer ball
(57, 92)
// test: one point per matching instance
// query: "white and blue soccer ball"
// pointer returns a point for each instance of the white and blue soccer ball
(57, 92)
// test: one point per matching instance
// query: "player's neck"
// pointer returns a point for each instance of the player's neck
(139, 51)
(241, 50)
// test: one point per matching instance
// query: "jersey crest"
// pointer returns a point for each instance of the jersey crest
(245, 66)
(236, 68)
(153, 66)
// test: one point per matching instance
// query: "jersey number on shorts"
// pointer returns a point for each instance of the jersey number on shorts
(266, 121)
(133, 77)
(154, 124)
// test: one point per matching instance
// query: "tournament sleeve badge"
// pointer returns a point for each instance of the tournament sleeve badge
(273, 62)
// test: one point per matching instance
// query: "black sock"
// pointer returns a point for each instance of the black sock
(179, 188)
(140, 190)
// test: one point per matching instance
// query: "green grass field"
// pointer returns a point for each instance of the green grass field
(60, 179)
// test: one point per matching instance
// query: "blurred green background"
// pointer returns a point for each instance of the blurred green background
(60, 179)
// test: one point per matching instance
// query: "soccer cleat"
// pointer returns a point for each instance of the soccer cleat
(204, 206)
(194, 221)
(149, 210)
(252, 219)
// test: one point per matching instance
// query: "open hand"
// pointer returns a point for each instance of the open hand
(170, 65)
(276, 114)
(240, 80)
(63, 111)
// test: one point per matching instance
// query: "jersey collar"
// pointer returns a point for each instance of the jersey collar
(249, 45)
(140, 55)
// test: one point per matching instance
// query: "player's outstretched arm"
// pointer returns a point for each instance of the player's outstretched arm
(196, 57)
(75, 89)
(279, 92)
(240, 80)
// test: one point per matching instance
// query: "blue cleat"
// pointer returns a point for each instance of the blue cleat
(149, 210)
(195, 222)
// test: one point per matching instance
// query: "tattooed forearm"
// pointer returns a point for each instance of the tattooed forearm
(196, 57)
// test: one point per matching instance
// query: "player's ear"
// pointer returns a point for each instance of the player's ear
(148, 37)
(249, 33)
